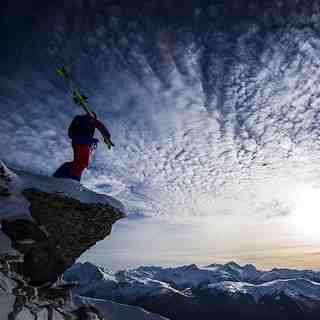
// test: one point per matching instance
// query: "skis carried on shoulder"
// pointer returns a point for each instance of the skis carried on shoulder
(80, 99)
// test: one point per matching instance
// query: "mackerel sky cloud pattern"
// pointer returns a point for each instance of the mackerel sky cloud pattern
(214, 113)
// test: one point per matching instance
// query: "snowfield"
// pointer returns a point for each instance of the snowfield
(116, 311)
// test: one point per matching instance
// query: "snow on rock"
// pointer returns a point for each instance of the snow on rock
(116, 311)
(7, 301)
(36, 210)
(13, 204)
(6, 283)
(14, 181)
(68, 188)
(24, 314)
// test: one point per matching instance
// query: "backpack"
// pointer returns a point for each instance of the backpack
(81, 127)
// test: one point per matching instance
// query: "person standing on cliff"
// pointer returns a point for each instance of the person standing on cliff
(81, 132)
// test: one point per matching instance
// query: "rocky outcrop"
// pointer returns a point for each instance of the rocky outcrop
(45, 241)
(62, 230)
(21, 301)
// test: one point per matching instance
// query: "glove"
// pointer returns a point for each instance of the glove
(108, 142)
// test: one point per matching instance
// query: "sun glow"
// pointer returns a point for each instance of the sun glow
(306, 212)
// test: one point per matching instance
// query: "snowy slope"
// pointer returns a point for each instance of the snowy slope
(7, 299)
(116, 311)
(110, 310)
(95, 282)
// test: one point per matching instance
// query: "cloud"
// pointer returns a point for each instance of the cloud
(218, 124)
(183, 139)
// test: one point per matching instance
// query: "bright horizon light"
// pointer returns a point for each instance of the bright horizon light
(306, 212)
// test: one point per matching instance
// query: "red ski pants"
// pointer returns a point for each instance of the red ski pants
(81, 154)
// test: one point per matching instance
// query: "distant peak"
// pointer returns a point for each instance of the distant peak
(232, 264)
(190, 267)
(250, 266)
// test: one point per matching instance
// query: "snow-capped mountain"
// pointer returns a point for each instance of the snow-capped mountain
(205, 290)
(294, 288)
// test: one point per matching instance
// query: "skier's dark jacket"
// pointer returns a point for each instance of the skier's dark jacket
(81, 130)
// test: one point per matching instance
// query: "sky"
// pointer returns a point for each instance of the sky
(214, 111)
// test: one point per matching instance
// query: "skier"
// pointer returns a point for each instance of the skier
(81, 132)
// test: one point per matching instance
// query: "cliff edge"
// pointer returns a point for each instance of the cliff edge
(46, 224)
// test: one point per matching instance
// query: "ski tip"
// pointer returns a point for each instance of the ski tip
(63, 72)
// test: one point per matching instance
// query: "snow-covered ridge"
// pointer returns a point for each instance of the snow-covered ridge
(229, 278)
(98, 283)
(294, 288)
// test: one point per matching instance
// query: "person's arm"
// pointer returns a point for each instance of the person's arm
(102, 128)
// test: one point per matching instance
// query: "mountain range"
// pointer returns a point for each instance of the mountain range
(228, 290)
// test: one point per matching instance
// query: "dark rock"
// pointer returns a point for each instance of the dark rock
(63, 229)
(44, 254)
(4, 192)
(84, 313)
(20, 229)
(54, 293)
